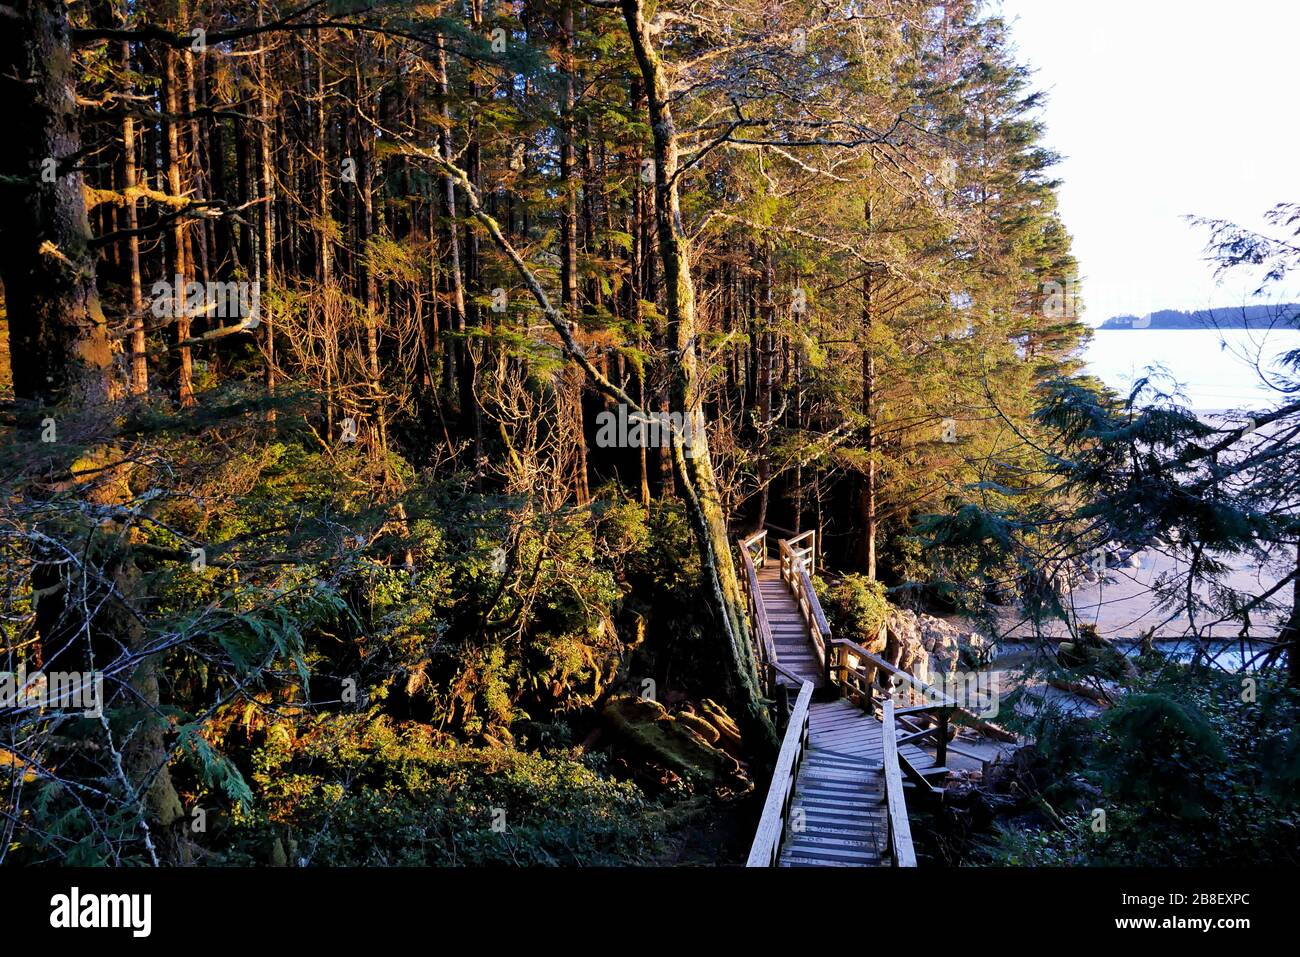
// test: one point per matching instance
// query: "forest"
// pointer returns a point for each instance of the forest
(389, 385)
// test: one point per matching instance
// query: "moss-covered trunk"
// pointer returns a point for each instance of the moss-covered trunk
(691, 448)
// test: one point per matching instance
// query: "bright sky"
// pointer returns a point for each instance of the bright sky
(1163, 108)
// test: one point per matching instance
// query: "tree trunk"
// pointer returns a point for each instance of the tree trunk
(179, 274)
(139, 366)
(568, 189)
(473, 271)
(266, 260)
(569, 237)
(457, 288)
(868, 510)
(59, 342)
(691, 451)
(767, 353)
(867, 507)
(62, 354)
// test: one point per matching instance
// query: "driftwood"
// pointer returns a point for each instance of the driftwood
(972, 720)
(1084, 691)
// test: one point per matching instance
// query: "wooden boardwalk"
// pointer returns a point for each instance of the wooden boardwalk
(838, 812)
(794, 649)
(836, 798)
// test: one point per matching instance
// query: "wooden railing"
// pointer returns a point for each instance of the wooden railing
(856, 672)
(753, 555)
(766, 848)
(900, 828)
(755, 548)
(804, 555)
(923, 710)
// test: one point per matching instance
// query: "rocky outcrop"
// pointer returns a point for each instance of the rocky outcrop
(928, 647)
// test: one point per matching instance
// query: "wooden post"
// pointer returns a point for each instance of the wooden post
(941, 746)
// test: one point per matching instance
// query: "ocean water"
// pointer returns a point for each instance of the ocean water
(1215, 369)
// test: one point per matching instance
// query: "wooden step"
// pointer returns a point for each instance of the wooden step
(826, 754)
(832, 738)
(828, 809)
(838, 771)
(860, 856)
(857, 801)
(931, 771)
(861, 847)
(851, 779)
(851, 830)
(837, 724)
(814, 862)
(822, 781)
(815, 856)
(821, 766)
(832, 831)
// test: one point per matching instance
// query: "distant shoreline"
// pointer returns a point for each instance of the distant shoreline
(1262, 318)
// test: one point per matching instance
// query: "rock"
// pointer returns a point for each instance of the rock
(679, 744)
(929, 648)
(1090, 796)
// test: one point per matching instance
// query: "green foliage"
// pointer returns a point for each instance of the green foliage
(362, 790)
(1160, 751)
(856, 606)
(473, 614)
(666, 603)
(1189, 771)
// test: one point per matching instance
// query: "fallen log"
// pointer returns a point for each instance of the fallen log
(1082, 690)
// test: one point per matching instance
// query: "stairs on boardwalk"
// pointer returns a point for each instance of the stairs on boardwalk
(789, 633)
(837, 815)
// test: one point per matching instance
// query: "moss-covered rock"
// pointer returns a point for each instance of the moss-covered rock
(679, 743)
(701, 727)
